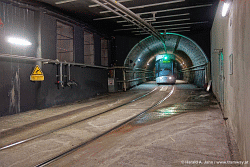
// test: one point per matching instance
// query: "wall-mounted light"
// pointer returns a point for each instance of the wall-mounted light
(18, 41)
(225, 8)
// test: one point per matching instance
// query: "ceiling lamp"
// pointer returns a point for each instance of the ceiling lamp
(225, 8)
(18, 41)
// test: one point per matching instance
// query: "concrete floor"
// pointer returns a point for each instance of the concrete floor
(186, 129)
(191, 132)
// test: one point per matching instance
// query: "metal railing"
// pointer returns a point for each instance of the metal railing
(128, 77)
(199, 75)
(60, 75)
(49, 61)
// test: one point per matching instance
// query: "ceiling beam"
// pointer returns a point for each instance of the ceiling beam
(108, 8)
(149, 5)
(168, 29)
(168, 21)
(169, 25)
(176, 15)
(158, 11)
(136, 18)
(96, 5)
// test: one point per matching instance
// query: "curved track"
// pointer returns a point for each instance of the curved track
(44, 146)
(49, 161)
(54, 130)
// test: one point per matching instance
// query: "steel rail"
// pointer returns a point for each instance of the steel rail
(51, 131)
(108, 131)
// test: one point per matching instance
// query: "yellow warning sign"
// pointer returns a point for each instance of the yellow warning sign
(37, 71)
(37, 74)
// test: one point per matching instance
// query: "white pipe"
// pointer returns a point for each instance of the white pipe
(159, 11)
(96, 5)
(103, 5)
(168, 21)
(136, 18)
(184, 14)
(150, 5)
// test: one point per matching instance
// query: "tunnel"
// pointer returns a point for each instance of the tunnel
(191, 58)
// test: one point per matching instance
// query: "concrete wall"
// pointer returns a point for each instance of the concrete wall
(232, 33)
(18, 93)
(123, 45)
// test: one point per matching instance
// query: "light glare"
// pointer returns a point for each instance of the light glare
(18, 41)
(225, 9)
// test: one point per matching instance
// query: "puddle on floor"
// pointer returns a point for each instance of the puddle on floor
(197, 102)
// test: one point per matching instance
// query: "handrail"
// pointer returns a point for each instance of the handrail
(190, 68)
(49, 61)
(123, 67)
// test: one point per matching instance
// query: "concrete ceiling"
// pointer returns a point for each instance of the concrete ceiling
(180, 16)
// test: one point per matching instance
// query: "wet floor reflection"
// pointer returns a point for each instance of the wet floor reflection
(158, 115)
(196, 103)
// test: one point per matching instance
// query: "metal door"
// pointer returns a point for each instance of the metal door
(221, 79)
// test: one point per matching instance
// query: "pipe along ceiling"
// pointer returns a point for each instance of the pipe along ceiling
(186, 51)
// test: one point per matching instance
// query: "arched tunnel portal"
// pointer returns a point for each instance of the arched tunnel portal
(187, 53)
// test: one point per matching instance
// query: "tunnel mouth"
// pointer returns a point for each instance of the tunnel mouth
(142, 54)
(188, 54)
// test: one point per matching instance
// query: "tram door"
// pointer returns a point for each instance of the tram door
(221, 79)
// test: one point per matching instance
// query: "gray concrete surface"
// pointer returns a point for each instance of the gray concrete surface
(185, 129)
(232, 33)
(191, 132)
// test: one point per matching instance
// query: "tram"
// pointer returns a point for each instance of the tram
(165, 69)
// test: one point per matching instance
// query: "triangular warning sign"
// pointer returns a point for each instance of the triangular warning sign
(37, 71)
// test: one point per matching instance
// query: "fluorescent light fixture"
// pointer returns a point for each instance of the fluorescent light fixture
(19, 41)
(225, 8)
(66, 1)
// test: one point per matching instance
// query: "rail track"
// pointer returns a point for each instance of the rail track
(49, 161)
(85, 142)
(67, 114)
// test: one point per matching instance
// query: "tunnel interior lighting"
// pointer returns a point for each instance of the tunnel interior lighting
(225, 8)
(19, 41)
